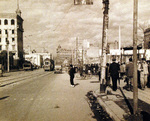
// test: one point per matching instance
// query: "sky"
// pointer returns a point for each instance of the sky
(49, 23)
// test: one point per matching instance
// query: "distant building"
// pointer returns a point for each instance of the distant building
(11, 35)
(63, 55)
(147, 39)
(35, 59)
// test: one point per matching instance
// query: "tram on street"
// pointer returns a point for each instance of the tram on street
(48, 64)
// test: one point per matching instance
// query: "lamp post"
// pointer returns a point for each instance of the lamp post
(104, 40)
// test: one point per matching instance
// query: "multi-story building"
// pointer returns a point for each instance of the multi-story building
(11, 35)
(147, 39)
(64, 56)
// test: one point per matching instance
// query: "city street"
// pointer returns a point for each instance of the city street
(44, 96)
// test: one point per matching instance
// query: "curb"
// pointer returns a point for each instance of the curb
(110, 112)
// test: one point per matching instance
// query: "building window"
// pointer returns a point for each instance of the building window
(0, 47)
(13, 31)
(0, 22)
(5, 31)
(12, 22)
(0, 31)
(6, 39)
(5, 22)
(13, 39)
(0, 39)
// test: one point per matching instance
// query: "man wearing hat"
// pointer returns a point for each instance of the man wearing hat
(114, 73)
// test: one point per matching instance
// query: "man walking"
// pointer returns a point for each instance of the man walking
(71, 73)
(114, 73)
(129, 73)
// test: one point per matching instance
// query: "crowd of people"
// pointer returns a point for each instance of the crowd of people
(123, 71)
(89, 68)
(118, 71)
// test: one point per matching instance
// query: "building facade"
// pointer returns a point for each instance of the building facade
(64, 56)
(11, 35)
(147, 39)
(35, 59)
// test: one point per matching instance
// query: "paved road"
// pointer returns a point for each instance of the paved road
(45, 96)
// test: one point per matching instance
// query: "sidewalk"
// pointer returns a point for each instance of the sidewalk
(119, 104)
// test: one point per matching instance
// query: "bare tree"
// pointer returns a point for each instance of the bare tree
(142, 27)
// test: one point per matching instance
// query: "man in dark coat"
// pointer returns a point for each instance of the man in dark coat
(114, 73)
(71, 73)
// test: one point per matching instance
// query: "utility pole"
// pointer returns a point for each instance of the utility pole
(82, 56)
(104, 40)
(120, 59)
(71, 56)
(77, 50)
(7, 42)
(135, 88)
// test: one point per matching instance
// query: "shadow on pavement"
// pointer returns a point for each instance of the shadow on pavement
(76, 84)
(2, 98)
(94, 81)
(145, 115)
(4, 76)
(127, 102)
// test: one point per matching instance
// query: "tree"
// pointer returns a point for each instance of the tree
(142, 27)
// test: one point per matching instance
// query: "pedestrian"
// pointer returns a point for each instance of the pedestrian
(129, 73)
(71, 73)
(143, 68)
(148, 83)
(138, 73)
(114, 73)
(107, 75)
(122, 70)
(99, 72)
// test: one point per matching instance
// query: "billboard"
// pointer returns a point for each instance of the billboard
(83, 2)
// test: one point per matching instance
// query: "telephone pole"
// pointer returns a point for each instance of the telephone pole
(82, 56)
(135, 88)
(7, 42)
(104, 40)
(77, 39)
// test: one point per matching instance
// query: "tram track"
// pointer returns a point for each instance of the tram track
(22, 78)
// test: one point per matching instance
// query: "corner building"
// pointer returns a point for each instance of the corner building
(11, 35)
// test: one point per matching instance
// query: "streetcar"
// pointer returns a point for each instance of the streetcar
(48, 64)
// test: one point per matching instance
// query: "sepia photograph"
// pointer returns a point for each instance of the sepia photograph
(74, 60)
